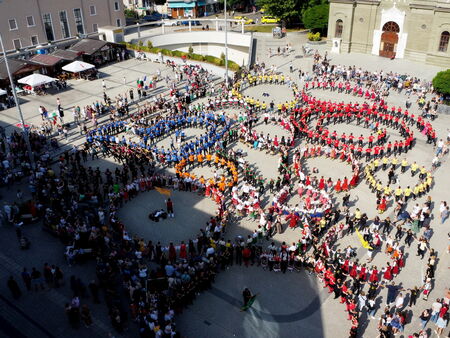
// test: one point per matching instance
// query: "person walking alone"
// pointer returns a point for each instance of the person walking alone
(169, 205)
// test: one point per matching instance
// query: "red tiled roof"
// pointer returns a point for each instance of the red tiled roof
(45, 59)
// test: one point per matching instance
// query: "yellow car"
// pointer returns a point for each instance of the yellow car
(269, 19)
(239, 17)
(248, 21)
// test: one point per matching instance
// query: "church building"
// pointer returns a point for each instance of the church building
(417, 30)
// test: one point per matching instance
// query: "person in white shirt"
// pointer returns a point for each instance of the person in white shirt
(399, 302)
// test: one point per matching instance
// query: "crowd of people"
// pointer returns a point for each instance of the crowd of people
(79, 204)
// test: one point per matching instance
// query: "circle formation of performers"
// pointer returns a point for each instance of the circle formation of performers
(311, 151)
(387, 192)
(375, 117)
(270, 78)
(220, 162)
(151, 131)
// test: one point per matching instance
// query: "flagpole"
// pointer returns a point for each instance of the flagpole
(13, 89)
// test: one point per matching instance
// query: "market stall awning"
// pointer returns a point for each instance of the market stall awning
(181, 4)
(46, 59)
(35, 80)
(77, 67)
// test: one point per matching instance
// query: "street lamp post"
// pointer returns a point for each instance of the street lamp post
(226, 45)
(13, 89)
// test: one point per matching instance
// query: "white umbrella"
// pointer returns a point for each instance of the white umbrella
(3, 92)
(35, 80)
(77, 67)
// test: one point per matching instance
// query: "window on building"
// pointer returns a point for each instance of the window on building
(17, 44)
(443, 43)
(93, 10)
(118, 23)
(48, 26)
(30, 21)
(64, 24)
(12, 24)
(34, 40)
(391, 26)
(78, 20)
(116, 6)
(95, 27)
(339, 29)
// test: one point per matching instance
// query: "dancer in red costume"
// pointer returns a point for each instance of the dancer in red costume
(345, 184)
(337, 186)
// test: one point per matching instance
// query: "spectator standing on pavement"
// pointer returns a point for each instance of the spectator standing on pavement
(14, 288)
(86, 316)
(26, 277)
(435, 309)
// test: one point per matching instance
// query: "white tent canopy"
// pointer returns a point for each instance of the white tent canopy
(3, 92)
(77, 67)
(35, 80)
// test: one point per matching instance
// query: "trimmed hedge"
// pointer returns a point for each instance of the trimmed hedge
(176, 53)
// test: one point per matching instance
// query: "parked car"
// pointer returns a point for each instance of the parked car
(269, 19)
(170, 22)
(193, 23)
(153, 17)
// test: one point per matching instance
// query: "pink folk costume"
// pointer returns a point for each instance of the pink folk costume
(300, 189)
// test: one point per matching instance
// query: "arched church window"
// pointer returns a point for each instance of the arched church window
(339, 29)
(391, 26)
(443, 43)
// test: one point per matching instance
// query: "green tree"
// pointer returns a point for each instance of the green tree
(441, 82)
(287, 10)
(131, 13)
(316, 17)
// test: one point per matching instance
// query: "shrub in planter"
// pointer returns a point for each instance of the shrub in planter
(196, 57)
(176, 53)
(149, 44)
(314, 37)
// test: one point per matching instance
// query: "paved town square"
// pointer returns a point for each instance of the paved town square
(308, 199)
